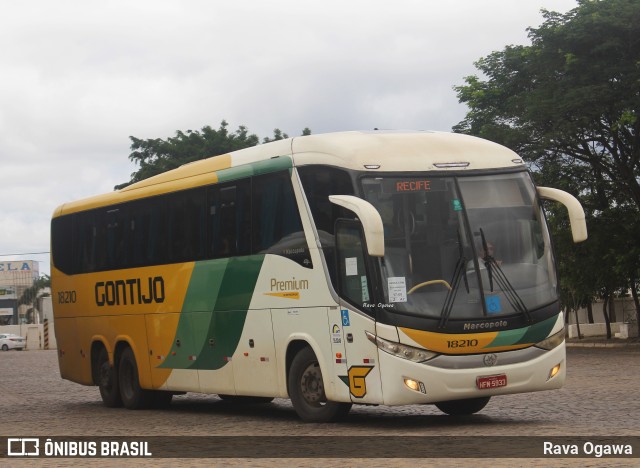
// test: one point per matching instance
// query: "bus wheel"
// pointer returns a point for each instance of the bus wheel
(133, 396)
(462, 407)
(243, 399)
(108, 381)
(306, 390)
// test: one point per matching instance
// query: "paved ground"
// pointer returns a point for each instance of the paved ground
(601, 398)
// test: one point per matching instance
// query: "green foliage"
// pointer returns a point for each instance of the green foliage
(572, 95)
(569, 103)
(155, 155)
(32, 293)
(277, 135)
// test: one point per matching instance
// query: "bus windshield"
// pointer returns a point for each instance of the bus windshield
(463, 247)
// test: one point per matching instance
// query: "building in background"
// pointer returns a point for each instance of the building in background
(17, 280)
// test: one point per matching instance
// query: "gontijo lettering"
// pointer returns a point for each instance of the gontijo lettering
(130, 291)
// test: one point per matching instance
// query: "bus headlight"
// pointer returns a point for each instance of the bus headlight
(551, 342)
(400, 350)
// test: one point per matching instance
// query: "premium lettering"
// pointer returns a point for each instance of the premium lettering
(130, 291)
(289, 285)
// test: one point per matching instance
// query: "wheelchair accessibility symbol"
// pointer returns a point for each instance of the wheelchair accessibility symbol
(493, 304)
(345, 317)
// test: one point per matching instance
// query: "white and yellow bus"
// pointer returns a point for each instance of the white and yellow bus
(387, 268)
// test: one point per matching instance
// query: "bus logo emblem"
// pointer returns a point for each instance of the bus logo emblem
(357, 380)
(490, 360)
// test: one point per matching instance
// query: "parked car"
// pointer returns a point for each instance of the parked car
(12, 341)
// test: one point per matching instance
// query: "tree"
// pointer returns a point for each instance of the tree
(279, 135)
(31, 295)
(155, 155)
(569, 103)
(573, 95)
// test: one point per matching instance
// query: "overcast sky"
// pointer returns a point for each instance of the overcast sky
(78, 77)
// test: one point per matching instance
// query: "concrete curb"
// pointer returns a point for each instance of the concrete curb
(602, 344)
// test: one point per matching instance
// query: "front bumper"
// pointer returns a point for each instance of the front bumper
(442, 384)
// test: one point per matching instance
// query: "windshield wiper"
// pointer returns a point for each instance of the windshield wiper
(459, 272)
(505, 285)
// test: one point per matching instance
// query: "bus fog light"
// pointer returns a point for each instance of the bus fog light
(415, 385)
(554, 371)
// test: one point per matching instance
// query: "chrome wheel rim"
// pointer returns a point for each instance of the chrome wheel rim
(311, 385)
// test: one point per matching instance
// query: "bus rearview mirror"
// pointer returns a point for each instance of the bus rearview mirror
(576, 213)
(370, 219)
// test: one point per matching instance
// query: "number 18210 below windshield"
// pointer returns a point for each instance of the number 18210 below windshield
(463, 247)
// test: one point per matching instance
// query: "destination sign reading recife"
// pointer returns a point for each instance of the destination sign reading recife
(413, 185)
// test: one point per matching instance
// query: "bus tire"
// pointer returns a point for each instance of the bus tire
(133, 396)
(462, 407)
(306, 390)
(108, 381)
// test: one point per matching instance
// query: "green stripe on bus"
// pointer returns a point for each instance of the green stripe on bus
(257, 168)
(539, 331)
(527, 335)
(214, 312)
(508, 337)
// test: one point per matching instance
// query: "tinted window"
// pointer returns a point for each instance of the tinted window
(186, 231)
(319, 182)
(354, 281)
(89, 238)
(277, 228)
(116, 238)
(62, 243)
(275, 215)
(209, 222)
(230, 219)
(146, 239)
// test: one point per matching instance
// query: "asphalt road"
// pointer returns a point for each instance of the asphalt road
(601, 398)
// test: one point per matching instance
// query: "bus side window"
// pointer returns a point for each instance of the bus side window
(62, 229)
(147, 232)
(276, 222)
(353, 280)
(143, 238)
(319, 182)
(116, 239)
(229, 219)
(185, 227)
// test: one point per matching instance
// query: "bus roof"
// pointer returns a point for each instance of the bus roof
(400, 151)
(376, 151)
